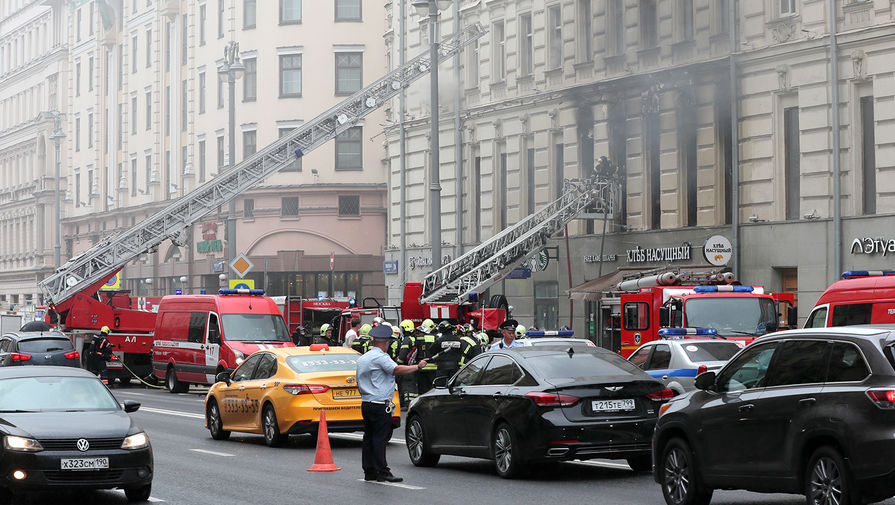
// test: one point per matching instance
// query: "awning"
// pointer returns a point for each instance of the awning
(592, 290)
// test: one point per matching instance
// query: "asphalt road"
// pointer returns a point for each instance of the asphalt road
(193, 469)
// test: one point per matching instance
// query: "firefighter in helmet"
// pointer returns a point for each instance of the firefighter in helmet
(416, 346)
(362, 343)
(326, 335)
(99, 350)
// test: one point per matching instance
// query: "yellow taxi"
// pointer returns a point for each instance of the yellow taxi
(281, 392)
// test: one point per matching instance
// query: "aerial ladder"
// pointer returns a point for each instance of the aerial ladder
(88, 271)
(461, 280)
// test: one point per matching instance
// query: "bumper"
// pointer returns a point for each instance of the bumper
(334, 426)
(43, 470)
(618, 439)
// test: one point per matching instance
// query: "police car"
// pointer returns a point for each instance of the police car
(676, 360)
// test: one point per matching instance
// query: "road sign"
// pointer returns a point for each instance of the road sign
(241, 265)
(242, 284)
(332, 261)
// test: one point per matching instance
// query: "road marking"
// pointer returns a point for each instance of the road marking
(153, 499)
(130, 393)
(213, 453)
(603, 464)
(393, 484)
(359, 436)
(172, 412)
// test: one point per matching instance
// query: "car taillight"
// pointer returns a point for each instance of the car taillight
(883, 398)
(552, 399)
(19, 357)
(73, 355)
(305, 389)
(663, 394)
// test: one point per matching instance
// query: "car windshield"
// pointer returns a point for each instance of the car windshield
(45, 345)
(323, 363)
(744, 315)
(582, 364)
(255, 327)
(710, 351)
(54, 394)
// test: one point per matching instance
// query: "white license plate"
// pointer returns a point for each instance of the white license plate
(85, 464)
(612, 405)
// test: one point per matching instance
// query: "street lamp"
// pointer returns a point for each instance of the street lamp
(57, 137)
(432, 7)
(229, 71)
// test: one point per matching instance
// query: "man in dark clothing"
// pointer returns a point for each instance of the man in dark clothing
(453, 350)
(326, 336)
(98, 352)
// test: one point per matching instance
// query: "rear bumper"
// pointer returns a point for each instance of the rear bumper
(618, 439)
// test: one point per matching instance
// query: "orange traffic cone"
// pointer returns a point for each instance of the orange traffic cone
(323, 459)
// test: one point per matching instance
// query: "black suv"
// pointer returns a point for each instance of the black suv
(804, 411)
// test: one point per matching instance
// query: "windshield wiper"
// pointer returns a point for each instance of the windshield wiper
(16, 411)
(738, 332)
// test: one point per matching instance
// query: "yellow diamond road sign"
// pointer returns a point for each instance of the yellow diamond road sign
(241, 265)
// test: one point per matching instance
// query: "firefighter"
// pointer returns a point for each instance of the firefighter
(99, 350)
(326, 335)
(407, 387)
(453, 349)
(484, 340)
(362, 343)
(417, 346)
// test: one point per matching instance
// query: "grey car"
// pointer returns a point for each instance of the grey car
(38, 348)
(677, 362)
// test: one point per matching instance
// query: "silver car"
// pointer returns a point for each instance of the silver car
(677, 362)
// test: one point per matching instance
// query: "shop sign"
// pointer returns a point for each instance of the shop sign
(659, 254)
(207, 246)
(595, 258)
(390, 267)
(868, 245)
(417, 262)
(717, 250)
(537, 263)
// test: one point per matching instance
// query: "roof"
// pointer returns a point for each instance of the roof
(863, 330)
(15, 372)
(23, 335)
(304, 351)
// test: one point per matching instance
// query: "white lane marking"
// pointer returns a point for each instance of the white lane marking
(213, 453)
(172, 412)
(360, 436)
(153, 499)
(130, 393)
(604, 464)
(393, 484)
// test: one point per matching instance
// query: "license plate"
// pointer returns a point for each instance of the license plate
(612, 405)
(85, 464)
(346, 393)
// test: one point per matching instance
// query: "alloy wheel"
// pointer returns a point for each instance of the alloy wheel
(677, 475)
(503, 450)
(826, 482)
(415, 440)
(270, 428)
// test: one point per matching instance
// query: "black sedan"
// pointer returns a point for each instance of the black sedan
(531, 404)
(62, 428)
(38, 348)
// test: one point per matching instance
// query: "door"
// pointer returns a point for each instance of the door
(725, 428)
(490, 398)
(212, 345)
(234, 399)
(818, 317)
(659, 365)
(452, 407)
(636, 322)
(256, 389)
(6, 349)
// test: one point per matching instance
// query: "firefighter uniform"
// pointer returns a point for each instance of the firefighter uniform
(362, 343)
(454, 350)
(99, 351)
(326, 336)
(418, 343)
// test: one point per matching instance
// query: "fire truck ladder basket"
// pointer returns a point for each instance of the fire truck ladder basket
(111, 254)
(477, 269)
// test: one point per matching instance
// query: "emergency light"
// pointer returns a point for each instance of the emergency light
(560, 333)
(681, 332)
(242, 291)
(723, 289)
(866, 273)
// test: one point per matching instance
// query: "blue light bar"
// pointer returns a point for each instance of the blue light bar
(723, 289)
(252, 292)
(866, 273)
(550, 333)
(682, 332)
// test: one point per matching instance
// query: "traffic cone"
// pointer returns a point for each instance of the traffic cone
(323, 459)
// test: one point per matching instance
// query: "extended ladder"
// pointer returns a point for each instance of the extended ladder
(474, 271)
(108, 256)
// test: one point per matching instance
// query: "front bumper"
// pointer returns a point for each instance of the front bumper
(43, 470)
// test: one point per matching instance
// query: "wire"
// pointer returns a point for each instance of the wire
(138, 377)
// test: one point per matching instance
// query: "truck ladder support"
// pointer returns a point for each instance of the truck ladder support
(111, 254)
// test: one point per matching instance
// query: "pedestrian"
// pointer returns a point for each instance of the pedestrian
(376, 381)
(305, 337)
(351, 334)
(509, 331)
(298, 335)
(99, 350)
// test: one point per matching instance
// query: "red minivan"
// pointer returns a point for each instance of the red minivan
(861, 297)
(199, 336)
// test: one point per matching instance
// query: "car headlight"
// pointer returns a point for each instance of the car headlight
(23, 444)
(135, 441)
(240, 357)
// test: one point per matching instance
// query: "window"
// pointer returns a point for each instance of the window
(799, 362)
(585, 35)
(250, 83)
(547, 304)
(90, 74)
(133, 176)
(349, 69)
(651, 131)
(249, 16)
(470, 374)
(267, 367)
(196, 331)
(184, 40)
(530, 179)
(472, 64)
(77, 190)
(290, 75)
(290, 11)
(686, 19)
(289, 206)
(661, 358)
(248, 208)
(555, 37)
(559, 165)
(502, 185)
(648, 24)
(846, 363)
(201, 92)
(168, 98)
(78, 79)
(792, 151)
(501, 370)
(149, 47)
(169, 29)
(89, 129)
(787, 7)
(203, 17)
(616, 27)
(134, 115)
(640, 357)
(477, 199)
(221, 161)
(687, 158)
(221, 85)
(817, 319)
(249, 143)
(636, 316)
(77, 134)
(349, 205)
(245, 371)
(220, 19)
(202, 160)
(526, 39)
(851, 313)
(868, 156)
(348, 10)
(183, 108)
(295, 166)
(498, 54)
(748, 370)
(148, 110)
(134, 54)
(78, 25)
(349, 150)
(92, 20)
(148, 170)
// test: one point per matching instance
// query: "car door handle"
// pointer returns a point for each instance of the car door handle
(807, 402)
(496, 395)
(263, 386)
(241, 388)
(746, 408)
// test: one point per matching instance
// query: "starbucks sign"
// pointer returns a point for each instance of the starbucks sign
(538, 262)
(718, 250)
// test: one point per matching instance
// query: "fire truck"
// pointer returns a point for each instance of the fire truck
(310, 313)
(642, 304)
(73, 290)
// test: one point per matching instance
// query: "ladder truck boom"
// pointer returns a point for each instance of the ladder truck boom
(488, 262)
(89, 270)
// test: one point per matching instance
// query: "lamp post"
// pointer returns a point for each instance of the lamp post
(57, 137)
(432, 7)
(230, 70)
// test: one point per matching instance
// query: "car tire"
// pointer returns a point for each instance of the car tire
(417, 445)
(827, 479)
(138, 493)
(641, 464)
(272, 435)
(215, 423)
(679, 476)
(505, 450)
(174, 385)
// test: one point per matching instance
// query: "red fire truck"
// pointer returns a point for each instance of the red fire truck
(310, 313)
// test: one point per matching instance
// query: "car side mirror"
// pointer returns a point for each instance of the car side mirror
(706, 381)
(440, 382)
(792, 316)
(664, 316)
(223, 377)
(131, 406)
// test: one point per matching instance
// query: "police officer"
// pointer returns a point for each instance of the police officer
(98, 352)
(508, 329)
(362, 343)
(326, 335)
